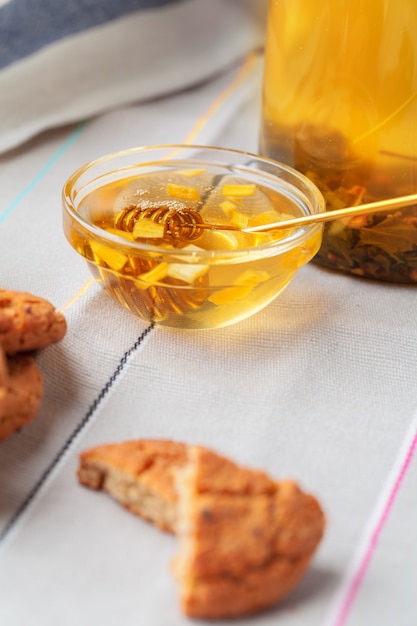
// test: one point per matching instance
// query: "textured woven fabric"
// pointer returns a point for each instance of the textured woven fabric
(63, 62)
(27, 26)
(321, 387)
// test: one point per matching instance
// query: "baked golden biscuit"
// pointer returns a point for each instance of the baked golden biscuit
(245, 539)
(139, 475)
(20, 392)
(28, 322)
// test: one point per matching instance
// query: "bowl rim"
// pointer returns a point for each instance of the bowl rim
(295, 237)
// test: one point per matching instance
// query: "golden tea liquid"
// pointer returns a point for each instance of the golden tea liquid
(161, 259)
(340, 105)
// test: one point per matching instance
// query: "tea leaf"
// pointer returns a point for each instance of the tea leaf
(392, 235)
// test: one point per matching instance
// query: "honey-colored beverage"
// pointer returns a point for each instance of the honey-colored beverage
(340, 105)
(159, 256)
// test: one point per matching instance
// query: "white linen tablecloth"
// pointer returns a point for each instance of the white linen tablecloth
(321, 386)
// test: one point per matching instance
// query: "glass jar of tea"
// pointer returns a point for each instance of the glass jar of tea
(340, 105)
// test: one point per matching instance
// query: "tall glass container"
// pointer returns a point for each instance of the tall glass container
(340, 105)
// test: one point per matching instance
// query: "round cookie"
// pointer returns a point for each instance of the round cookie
(21, 389)
(28, 322)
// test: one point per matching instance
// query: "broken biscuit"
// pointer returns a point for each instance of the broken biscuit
(245, 539)
(139, 475)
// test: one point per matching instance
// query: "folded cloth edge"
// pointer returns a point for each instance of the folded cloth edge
(134, 58)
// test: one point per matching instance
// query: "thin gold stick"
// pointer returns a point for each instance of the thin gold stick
(305, 220)
(362, 209)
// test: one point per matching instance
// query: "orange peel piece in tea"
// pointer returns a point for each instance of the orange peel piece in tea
(113, 258)
(187, 273)
(147, 228)
(239, 220)
(191, 172)
(238, 191)
(228, 207)
(184, 192)
(228, 295)
(153, 276)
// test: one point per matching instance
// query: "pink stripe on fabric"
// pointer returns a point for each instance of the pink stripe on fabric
(379, 517)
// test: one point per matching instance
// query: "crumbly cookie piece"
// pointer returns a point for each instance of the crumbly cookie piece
(245, 540)
(21, 389)
(28, 322)
(139, 475)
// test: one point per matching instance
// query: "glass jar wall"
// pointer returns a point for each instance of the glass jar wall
(340, 105)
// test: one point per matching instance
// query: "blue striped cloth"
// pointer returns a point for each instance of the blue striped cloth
(26, 26)
(63, 61)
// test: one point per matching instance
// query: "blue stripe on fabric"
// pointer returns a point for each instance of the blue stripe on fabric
(45, 169)
(26, 26)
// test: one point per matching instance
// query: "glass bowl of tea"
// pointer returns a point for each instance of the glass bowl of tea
(183, 236)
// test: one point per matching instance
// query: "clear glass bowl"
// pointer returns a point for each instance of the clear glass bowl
(161, 229)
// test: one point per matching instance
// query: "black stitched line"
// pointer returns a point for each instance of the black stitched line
(77, 430)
